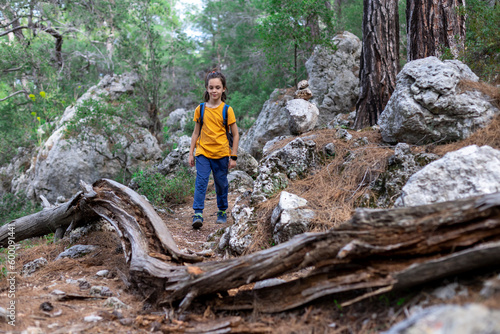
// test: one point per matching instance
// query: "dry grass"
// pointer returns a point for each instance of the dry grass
(341, 184)
(487, 89)
(334, 189)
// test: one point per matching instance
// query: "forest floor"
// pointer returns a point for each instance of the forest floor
(39, 309)
(57, 299)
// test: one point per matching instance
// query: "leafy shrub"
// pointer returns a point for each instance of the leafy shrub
(482, 43)
(161, 190)
(13, 206)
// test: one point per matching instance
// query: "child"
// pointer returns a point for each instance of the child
(212, 148)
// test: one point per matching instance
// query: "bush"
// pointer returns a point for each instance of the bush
(482, 43)
(161, 190)
(13, 206)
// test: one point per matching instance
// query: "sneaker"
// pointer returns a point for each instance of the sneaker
(197, 221)
(221, 217)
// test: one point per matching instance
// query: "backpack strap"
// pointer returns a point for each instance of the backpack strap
(224, 115)
(200, 119)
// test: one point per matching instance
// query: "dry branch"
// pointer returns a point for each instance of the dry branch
(375, 252)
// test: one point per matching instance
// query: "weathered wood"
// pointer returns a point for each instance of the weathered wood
(44, 222)
(376, 249)
(375, 252)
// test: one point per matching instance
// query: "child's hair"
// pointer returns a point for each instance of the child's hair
(213, 75)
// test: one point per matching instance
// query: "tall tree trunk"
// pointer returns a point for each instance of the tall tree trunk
(432, 26)
(379, 59)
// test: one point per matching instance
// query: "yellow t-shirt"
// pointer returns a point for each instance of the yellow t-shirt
(212, 142)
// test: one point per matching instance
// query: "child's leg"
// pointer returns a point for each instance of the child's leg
(219, 170)
(202, 175)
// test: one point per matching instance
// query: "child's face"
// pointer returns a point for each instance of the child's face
(215, 89)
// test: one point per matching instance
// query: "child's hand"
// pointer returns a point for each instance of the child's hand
(191, 160)
(232, 163)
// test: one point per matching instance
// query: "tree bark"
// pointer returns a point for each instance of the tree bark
(375, 252)
(434, 26)
(379, 60)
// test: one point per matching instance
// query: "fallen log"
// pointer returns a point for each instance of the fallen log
(375, 252)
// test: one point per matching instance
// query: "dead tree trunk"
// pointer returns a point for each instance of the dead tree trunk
(379, 60)
(434, 26)
(375, 252)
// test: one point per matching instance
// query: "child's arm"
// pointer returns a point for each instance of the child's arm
(194, 138)
(236, 140)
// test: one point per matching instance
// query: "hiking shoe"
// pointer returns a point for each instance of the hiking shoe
(221, 217)
(197, 221)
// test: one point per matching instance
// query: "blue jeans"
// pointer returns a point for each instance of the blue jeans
(219, 168)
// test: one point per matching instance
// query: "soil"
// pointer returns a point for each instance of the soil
(39, 310)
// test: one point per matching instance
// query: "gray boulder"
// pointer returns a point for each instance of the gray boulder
(469, 171)
(334, 76)
(178, 158)
(400, 167)
(271, 122)
(61, 162)
(450, 319)
(238, 237)
(293, 161)
(239, 180)
(289, 217)
(177, 119)
(428, 106)
(302, 116)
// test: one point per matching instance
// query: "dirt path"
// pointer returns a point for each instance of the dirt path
(57, 298)
(179, 223)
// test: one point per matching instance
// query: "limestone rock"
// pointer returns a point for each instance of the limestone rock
(271, 122)
(77, 251)
(239, 180)
(30, 267)
(428, 106)
(58, 166)
(334, 76)
(294, 160)
(237, 237)
(467, 172)
(302, 116)
(289, 218)
(400, 167)
(451, 319)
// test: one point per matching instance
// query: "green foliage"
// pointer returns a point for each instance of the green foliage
(189, 128)
(290, 31)
(247, 107)
(110, 119)
(161, 190)
(482, 43)
(13, 206)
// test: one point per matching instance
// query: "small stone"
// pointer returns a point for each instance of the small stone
(30, 267)
(3, 315)
(304, 94)
(46, 306)
(92, 318)
(77, 251)
(343, 134)
(58, 293)
(115, 303)
(126, 321)
(102, 273)
(303, 84)
(330, 149)
(100, 291)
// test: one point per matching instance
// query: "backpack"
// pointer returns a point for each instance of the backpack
(229, 135)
